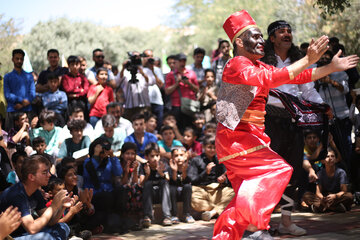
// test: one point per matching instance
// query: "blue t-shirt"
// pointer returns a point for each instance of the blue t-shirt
(28, 205)
(331, 184)
(175, 143)
(148, 138)
(104, 174)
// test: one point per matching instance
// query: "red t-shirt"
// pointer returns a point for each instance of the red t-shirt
(184, 88)
(98, 109)
(78, 85)
(195, 147)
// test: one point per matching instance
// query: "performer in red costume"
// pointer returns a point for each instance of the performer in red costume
(257, 174)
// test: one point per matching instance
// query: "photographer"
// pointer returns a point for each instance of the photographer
(135, 84)
(184, 81)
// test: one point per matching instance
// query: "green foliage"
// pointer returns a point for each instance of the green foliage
(331, 7)
(9, 38)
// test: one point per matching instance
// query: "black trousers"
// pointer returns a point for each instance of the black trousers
(180, 193)
(156, 193)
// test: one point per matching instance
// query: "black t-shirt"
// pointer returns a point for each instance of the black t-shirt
(59, 71)
(28, 205)
(154, 175)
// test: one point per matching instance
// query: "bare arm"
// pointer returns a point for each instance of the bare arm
(92, 98)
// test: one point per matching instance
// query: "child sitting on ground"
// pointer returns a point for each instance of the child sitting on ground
(113, 134)
(154, 177)
(180, 185)
(209, 129)
(99, 96)
(199, 122)
(168, 142)
(48, 131)
(17, 160)
(55, 99)
(39, 146)
(170, 120)
(193, 147)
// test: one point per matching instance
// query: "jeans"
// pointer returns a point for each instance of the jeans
(184, 195)
(93, 120)
(59, 231)
(152, 192)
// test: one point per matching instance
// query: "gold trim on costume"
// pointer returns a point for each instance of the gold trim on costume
(242, 153)
(255, 117)
(313, 73)
(241, 31)
(291, 74)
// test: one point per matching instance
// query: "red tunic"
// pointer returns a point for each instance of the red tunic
(257, 174)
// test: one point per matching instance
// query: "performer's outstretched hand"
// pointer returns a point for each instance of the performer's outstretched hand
(343, 63)
(317, 48)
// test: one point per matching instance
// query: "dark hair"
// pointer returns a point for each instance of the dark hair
(168, 114)
(294, 53)
(199, 51)
(53, 182)
(76, 106)
(38, 140)
(166, 128)
(63, 170)
(304, 45)
(171, 57)
(108, 120)
(66, 160)
(18, 51)
(190, 129)
(101, 69)
(53, 51)
(17, 115)
(223, 41)
(177, 148)
(114, 68)
(334, 40)
(51, 76)
(113, 105)
(73, 59)
(308, 131)
(209, 70)
(107, 62)
(338, 47)
(76, 124)
(31, 165)
(127, 146)
(151, 147)
(97, 50)
(209, 125)
(137, 117)
(199, 115)
(81, 58)
(329, 148)
(149, 116)
(100, 140)
(209, 139)
(16, 155)
(47, 116)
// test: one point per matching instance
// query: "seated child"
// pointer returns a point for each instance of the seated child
(48, 131)
(99, 96)
(76, 143)
(113, 134)
(180, 185)
(170, 120)
(331, 189)
(151, 125)
(154, 177)
(199, 122)
(208, 93)
(168, 142)
(18, 136)
(193, 147)
(209, 129)
(211, 191)
(17, 160)
(55, 99)
(39, 146)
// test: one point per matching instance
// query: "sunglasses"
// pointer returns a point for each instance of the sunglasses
(100, 56)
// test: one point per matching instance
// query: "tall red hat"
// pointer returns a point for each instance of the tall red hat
(237, 23)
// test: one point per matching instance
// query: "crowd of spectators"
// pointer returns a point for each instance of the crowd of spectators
(91, 150)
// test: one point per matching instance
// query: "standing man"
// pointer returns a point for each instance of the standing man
(26, 196)
(98, 58)
(219, 64)
(197, 67)
(258, 174)
(53, 59)
(280, 126)
(19, 88)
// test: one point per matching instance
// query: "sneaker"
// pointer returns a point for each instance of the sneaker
(146, 222)
(258, 235)
(206, 216)
(167, 222)
(189, 219)
(175, 220)
(292, 230)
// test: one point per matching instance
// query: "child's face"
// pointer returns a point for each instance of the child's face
(198, 58)
(77, 134)
(210, 131)
(168, 136)
(19, 163)
(57, 188)
(169, 120)
(330, 158)
(102, 77)
(210, 78)
(47, 126)
(40, 148)
(74, 68)
(151, 125)
(129, 155)
(153, 158)
(179, 156)
(210, 150)
(312, 140)
(22, 119)
(83, 66)
(53, 84)
(199, 123)
(189, 138)
(109, 132)
(71, 178)
(139, 126)
(77, 115)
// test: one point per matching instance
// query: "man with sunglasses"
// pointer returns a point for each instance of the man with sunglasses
(98, 58)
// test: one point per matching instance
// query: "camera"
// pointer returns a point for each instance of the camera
(132, 66)
(184, 78)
